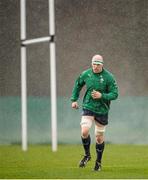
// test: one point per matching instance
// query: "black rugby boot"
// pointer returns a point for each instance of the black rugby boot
(97, 166)
(84, 161)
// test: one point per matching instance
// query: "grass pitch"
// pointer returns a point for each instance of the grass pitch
(119, 161)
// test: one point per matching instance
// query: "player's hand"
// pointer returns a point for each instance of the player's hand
(75, 105)
(96, 94)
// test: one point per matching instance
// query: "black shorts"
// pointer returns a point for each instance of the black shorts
(100, 118)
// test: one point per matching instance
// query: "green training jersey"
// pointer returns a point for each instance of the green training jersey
(104, 82)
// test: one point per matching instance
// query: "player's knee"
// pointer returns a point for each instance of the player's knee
(84, 132)
(99, 133)
(86, 123)
(100, 138)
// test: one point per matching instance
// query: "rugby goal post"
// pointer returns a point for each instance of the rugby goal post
(24, 43)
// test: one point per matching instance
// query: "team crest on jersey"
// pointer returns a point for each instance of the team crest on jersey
(101, 79)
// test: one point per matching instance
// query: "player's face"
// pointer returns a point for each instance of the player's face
(97, 68)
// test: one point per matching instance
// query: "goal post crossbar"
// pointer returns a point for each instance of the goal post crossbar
(36, 40)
